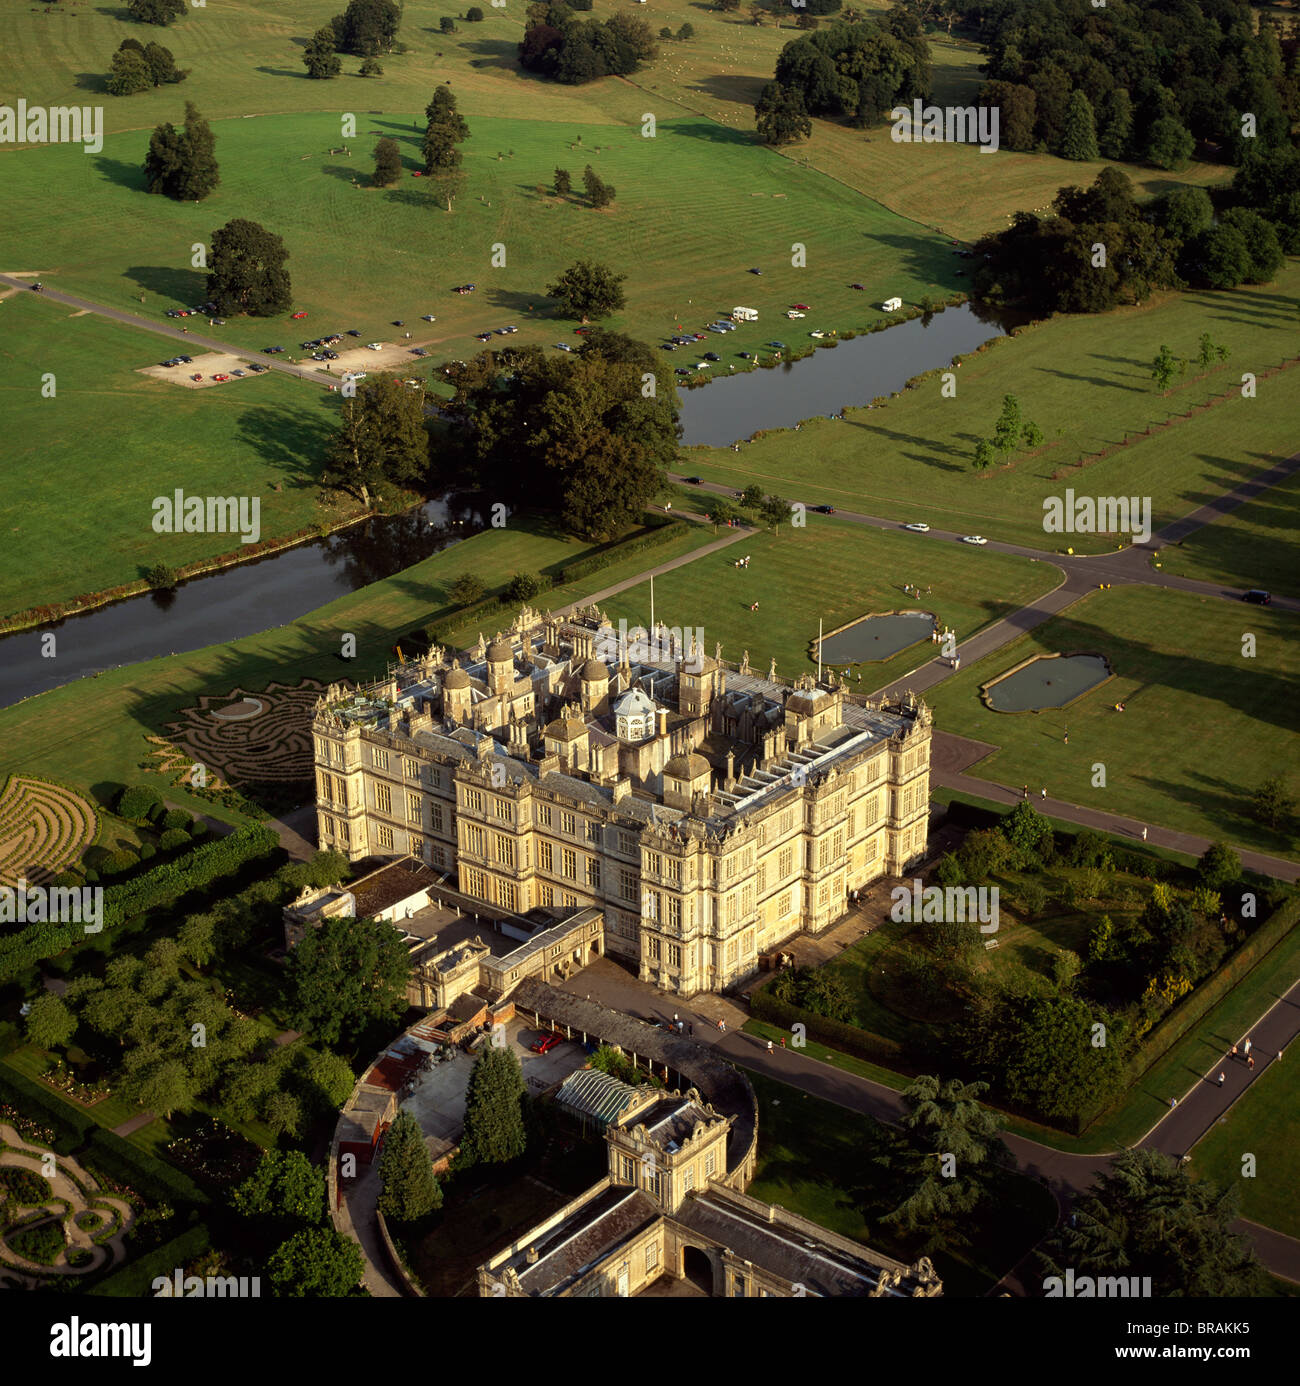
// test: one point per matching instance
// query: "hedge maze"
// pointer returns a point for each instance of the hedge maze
(43, 828)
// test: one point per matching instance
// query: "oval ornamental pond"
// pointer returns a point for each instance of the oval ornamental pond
(874, 638)
(1046, 681)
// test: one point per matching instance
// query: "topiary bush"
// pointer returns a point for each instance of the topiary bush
(198, 828)
(117, 862)
(172, 839)
(138, 802)
(148, 851)
(176, 818)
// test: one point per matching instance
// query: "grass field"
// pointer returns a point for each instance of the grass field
(1086, 382)
(697, 206)
(1202, 726)
(836, 571)
(1253, 546)
(126, 705)
(244, 59)
(1264, 1123)
(125, 438)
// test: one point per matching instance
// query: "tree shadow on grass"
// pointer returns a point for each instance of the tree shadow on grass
(493, 52)
(284, 72)
(187, 286)
(91, 81)
(282, 438)
(120, 172)
(739, 91)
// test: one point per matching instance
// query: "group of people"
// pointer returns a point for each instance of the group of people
(741, 562)
(1245, 1055)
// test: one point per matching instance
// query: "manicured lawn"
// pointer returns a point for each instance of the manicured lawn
(836, 571)
(1253, 546)
(124, 706)
(814, 1158)
(85, 522)
(1264, 1123)
(1086, 382)
(1202, 726)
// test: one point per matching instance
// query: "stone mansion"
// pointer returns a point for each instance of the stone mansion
(708, 812)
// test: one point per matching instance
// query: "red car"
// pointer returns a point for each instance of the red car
(543, 1044)
(299, 314)
(220, 377)
(802, 308)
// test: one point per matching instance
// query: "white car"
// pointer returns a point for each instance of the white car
(973, 539)
(793, 314)
(374, 346)
(354, 375)
(919, 528)
(816, 334)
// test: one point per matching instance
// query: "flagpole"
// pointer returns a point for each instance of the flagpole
(819, 649)
(652, 605)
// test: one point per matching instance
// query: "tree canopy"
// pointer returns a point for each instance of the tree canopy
(346, 973)
(382, 438)
(246, 271)
(367, 27)
(406, 1172)
(558, 44)
(588, 290)
(156, 11)
(317, 1262)
(494, 1109)
(182, 164)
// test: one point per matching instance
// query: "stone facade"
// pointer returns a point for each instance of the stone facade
(709, 813)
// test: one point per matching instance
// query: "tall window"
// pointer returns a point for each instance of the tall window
(413, 814)
(593, 872)
(505, 810)
(474, 839)
(593, 832)
(568, 823)
(505, 849)
(385, 836)
(474, 801)
(786, 862)
(435, 812)
(569, 863)
(627, 884)
(383, 798)
(544, 815)
(675, 870)
(545, 856)
(410, 768)
(378, 758)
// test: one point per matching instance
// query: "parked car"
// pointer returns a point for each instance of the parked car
(778, 346)
(543, 1044)
(695, 481)
(792, 314)
(185, 360)
(354, 331)
(803, 308)
(257, 367)
(857, 286)
(428, 317)
(712, 356)
(824, 509)
(238, 373)
(310, 346)
(685, 370)
(511, 329)
(817, 334)
(563, 346)
(755, 270)
(273, 351)
(374, 346)
(1258, 596)
(418, 351)
(175, 361)
(919, 527)
(299, 314)
(973, 539)
(221, 377)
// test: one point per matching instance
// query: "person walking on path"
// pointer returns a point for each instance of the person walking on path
(1234, 1051)
(1144, 834)
(783, 1044)
(1220, 1079)
(1024, 792)
(1043, 795)
(1246, 1047)
(1173, 1102)
(1067, 738)
(1250, 1062)
(769, 1046)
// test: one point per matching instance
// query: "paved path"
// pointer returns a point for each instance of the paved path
(356, 1217)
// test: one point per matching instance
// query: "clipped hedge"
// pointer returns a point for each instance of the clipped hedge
(136, 1280)
(838, 1034)
(162, 884)
(40, 1104)
(584, 567)
(146, 1174)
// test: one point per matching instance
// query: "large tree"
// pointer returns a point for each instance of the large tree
(368, 27)
(345, 974)
(588, 290)
(319, 57)
(406, 1172)
(129, 73)
(1079, 131)
(182, 164)
(50, 1024)
(494, 1109)
(944, 1157)
(155, 11)
(388, 163)
(246, 273)
(382, 438)
(1146, 1217)
(781, 116)
(589, 433)
(316, 1262)
(285, 1185)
